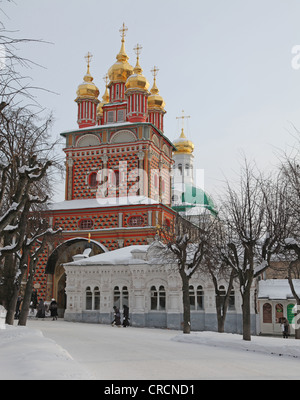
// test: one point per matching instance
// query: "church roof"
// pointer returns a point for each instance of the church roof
(135, 254)
(277, 289)
(192, 197)
(96, 203)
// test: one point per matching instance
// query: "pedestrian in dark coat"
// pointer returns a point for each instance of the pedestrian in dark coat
(34, 298)
(53, 309)
(41, 309)
(285, 327)
(125, 316)
(117, 317)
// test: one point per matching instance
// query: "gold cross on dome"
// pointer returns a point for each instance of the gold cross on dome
(155, 71)
(183, 118)
(88, 58)
(138, 49)
(106, 79)
(123, 31)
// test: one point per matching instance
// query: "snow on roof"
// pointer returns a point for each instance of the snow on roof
(277, 289)
(97, 127)
(95, 203)
(123, 256)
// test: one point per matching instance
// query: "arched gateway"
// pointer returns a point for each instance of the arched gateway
(62, 254)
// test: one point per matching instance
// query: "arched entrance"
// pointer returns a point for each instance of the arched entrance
(63, 254)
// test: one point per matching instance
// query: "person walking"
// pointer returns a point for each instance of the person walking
(41, 309)
(125, 316)
(53, 310)
(117, 317)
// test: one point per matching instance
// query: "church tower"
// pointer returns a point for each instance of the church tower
(183, 158)
(118, 171)
(87, 99)
(137, 93)
(156, 105)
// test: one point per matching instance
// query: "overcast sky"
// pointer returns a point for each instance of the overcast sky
(228, 64)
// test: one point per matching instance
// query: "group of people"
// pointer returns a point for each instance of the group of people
(117, 317)
(42, 308)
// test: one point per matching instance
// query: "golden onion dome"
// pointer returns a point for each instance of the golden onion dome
(121, 70)
(137, 80)
(183, 145)
(87, 89)
(155, 101)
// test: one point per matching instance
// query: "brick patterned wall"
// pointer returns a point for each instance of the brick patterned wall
(101, 221)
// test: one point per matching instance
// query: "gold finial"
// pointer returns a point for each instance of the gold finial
(154, 72)
(105, 97)
(123, 31)
(122, 56)
(138, 49)
(88, 58)
(90, 238)
(106, 79)
(183, 118)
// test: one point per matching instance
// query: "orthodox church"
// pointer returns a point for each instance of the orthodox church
(124, 177)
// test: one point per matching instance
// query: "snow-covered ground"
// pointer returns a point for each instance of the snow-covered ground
(63, 350)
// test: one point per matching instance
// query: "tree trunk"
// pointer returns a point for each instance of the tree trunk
(11, 308)
(12, 304)
(186, 304)
(27, 299)
(220, 317)
(246, 315)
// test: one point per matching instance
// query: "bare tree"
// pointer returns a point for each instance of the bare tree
(26, 157)
(256, 221)
(40, 234)
(219, 271)
(184, 245)
(290, 175)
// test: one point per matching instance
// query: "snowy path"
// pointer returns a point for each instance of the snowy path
(152, 354)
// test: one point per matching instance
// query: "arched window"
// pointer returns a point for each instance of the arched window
(231, 304)
(196, 298)
(267, 313)
(278, 313)
(96, 298)
(154, 297)
(192, 298)
(92, 299)
(125, 296)
(158, 298)
(93, 180)
(162, 298)
(121, 297)
(200, 295)
(117, 296)
(187, 167)
(115, 178)
(180, 169)
(88, 299)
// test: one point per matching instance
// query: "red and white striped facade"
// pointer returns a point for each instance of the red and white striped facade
(87, 112)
